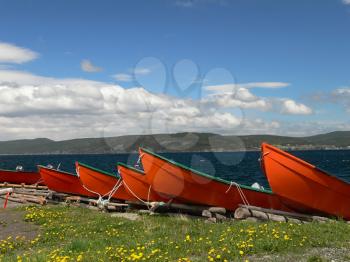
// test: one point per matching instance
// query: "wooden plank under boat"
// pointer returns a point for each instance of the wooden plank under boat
(102, 182)
(19, 177)
(304, 187)
(187, 185)
(135, 182)
(63, 182)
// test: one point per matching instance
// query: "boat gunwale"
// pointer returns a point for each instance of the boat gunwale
(56, 170)
(97, 169)
(217, 179)
(15, 171)
(131, 168)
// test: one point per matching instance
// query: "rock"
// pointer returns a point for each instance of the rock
(220, 217)
(144, 212)
(129, 216)
(219, 210)
(251, 219)
(294, 220)
(210, 220)
(206, 213)
(242, 213)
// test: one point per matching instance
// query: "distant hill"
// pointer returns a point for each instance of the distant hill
(180, 142)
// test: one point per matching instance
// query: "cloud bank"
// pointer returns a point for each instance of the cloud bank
(62, 108)
(32, 106)
(13, 54)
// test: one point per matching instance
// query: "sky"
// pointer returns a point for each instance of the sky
(73, 69)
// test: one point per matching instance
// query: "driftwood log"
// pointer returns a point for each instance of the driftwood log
(32, 192)
(22, 186)
(5, 191)
(15, 199)
(263, 214)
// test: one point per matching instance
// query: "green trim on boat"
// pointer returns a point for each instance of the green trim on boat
(204, 174)
(132, 168)
(59, 171)
(98, 170)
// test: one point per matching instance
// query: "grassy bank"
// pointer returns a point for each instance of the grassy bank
(77, 234)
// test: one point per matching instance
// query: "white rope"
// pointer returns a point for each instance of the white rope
(240, 191)
(262, 156)
(100, 198)
(149, 193)
(114, 189)
(38, 182)
(139, 159)
(141, 200)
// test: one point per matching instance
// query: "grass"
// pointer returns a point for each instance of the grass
(79, 234)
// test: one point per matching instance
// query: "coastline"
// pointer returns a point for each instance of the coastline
(173, 152)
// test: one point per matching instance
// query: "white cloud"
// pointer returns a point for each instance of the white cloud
(36, 106)
(265, 85)
(240, 95)
(346, 2)
(140, 71)
(342, 96)
(242, 98)
(87, 66)
(185, 3)
(192, 3)
(13, 54)
(232, 87)
(289, 106)
(123, 77)
(81, 108)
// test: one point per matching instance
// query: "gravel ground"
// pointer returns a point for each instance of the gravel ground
(12, 223)
(313, 254)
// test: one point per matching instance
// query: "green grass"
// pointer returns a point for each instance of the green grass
(79, 234)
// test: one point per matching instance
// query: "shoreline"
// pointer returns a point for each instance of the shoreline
(177, 152)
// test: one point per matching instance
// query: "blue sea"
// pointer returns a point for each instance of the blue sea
(241, 167)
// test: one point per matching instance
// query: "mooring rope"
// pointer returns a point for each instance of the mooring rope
(147, 204)
(149, 193)
(114, 189)
(139, 159)
(262, 156)
(100, 198)
(38, 182)
(240, 191)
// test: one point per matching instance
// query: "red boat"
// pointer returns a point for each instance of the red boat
(191, 186)
(303, 186)
(63, 182)
(135, 182)
(103, 183)
(19, 177)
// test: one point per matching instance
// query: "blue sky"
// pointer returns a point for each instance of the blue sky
(303, 43)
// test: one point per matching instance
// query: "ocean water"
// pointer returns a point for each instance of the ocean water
(241, 167)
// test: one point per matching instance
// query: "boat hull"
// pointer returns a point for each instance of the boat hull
(190, 186)
(303, 186)
(135, 182)
(63, 182)
(19, 177)
(101, 182)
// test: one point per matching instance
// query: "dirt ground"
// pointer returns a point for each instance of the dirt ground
(312, 254)
(12, 223)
